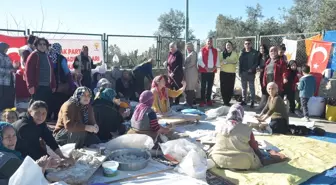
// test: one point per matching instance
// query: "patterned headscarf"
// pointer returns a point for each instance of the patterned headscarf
(75, 98)
(234, 117)
(155, 85)
(3, 126)
(102, 83)
(145, 102)
(107, 94)
(55, 50)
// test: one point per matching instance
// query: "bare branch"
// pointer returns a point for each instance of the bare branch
(7, 23)
(58, 26)
(42, 23)
(16, 23)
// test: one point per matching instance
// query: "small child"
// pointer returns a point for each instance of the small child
(292, 76)
(10, 115)
(281, 52)
(307, 88)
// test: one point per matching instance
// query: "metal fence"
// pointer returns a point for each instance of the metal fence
(132, 49)
(238, 42)
(10, 32)
(274, 40)
(180, 42)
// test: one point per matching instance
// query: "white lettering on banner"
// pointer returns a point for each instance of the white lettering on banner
(72, 47)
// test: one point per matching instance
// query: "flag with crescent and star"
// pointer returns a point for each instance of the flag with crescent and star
(319, 56)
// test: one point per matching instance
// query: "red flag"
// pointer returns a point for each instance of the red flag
(318, 60)
(319, 56)
(14, 44)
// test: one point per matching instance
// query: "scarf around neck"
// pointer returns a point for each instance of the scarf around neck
(75, 98)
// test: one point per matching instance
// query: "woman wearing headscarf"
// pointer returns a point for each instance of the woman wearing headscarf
(102, 83)
(175, 69)
(275, 70)
(10, 159)
(229, 60)
(107, 115)
(7, 90)
(76, 122)
(144, 120)
(96, 77)
(64, 82)
(162, 94)
(191, 74)
(125, 87)
(236, 147)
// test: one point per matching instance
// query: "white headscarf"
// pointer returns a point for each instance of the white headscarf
(234, 117)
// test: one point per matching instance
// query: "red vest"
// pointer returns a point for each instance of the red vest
(205, 55)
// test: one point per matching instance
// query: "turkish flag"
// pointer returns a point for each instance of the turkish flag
(14, 44)
(13, 52)
(318, 60)
(319, 56)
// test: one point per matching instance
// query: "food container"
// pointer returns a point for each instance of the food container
(131, 165)
(110, 168)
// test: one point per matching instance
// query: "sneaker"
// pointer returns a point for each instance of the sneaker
(243, 103)
(306, 119)
(201, 104)
(209, 103)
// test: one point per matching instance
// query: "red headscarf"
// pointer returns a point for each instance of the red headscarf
(155, 85)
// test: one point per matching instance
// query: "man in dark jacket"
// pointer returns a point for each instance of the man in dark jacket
(248, 63)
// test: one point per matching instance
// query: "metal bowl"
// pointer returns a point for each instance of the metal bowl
(131, 166)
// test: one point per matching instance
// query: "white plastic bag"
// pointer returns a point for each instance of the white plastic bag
(214, 113)
(27, 174)
(65, 149)
(179, 148)
(139, 141)
(193, 165)
(316, 106)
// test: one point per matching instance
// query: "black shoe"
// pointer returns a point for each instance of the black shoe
(252, 105)
(243, 103)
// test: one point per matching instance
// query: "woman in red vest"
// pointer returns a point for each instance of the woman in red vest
(208, 62)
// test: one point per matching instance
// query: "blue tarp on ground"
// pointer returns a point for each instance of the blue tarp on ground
(330, 36)
(323, 179)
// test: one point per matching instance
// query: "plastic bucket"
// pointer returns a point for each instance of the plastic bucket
(110, 168)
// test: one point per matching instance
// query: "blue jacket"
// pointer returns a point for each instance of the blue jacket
(307, 86)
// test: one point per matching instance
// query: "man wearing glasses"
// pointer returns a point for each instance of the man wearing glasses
(248, 63)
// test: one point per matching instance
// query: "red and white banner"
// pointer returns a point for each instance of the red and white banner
(72, 47)
(14, 44)
(318, 60)
(319, 56)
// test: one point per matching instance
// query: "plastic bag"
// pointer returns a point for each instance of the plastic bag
(179, 148)
(214, 113)
(139, 141)
(27, 174)
(316, 106)
(193, 165)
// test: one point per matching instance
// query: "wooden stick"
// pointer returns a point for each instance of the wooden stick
(141, 175)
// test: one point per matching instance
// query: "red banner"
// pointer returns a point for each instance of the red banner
(319, 56)
(13, 52)
(14, 44)
(318, 60)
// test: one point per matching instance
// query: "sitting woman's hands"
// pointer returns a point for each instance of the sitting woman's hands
(163, 130)
(46, 162)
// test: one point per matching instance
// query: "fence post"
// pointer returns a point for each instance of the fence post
(323, 33)
(105, 48)
(159, 48)
(28, 32)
